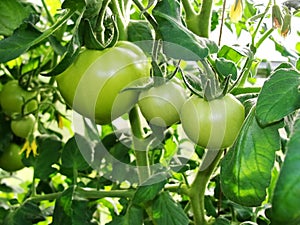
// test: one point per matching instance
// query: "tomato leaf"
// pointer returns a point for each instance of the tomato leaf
(179, 42)
(226, 67)
(150, 188)
(246, 168)
(27, 36)
(285, 202)
(134, 215)
(49, 153)
(12, 14)
(18, 43)
(63, 208)
(74, 5)
(140, 33)
(279, 96)
(27, 214)
(68, 58)
(234, 53)
(166, 211)
(72, 154)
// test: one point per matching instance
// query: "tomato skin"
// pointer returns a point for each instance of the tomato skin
(161, 105)
(13, 97)
(11, 160)
(23, 127)
(92, 84)
(212, 124)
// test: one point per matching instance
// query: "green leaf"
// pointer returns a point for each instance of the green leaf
(226, 67)
(27, 214)
(68, 58)
(246, 169)
(148, 190)
(140, 33)
(18, 43)
(82, 212)
(279, 96)
(49, 153)
(27, 36)
(72, 154)
(134, 215)
(74, 5)
(285, 202)
(63, 208)
(178, 41)
(233, 53)
(221, 221)
(166, 211)
(12, 14)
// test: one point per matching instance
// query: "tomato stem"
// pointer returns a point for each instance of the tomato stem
(121, 19)
(199, 185)
(199, 23)
(141, 154)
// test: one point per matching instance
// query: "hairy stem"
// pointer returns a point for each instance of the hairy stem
(121, 20)
(205, 18)
(141, 153)
(199, 185)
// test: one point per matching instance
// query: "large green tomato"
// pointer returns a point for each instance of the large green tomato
(92, 84)
(161, 105)
(10, 159)
(23, 127)
(212, 124)
(13, 98)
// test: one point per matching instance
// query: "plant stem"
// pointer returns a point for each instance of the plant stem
(85, 193)
(121, 20)
(188, 8)
(141, 153)
(260, 21)
(222, 22)
(204, 18)
(98, 194)
(199, 185)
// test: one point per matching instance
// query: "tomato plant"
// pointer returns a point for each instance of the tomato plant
(24, 126)
(92, 85)
(10, 159)
(141, 151)
(14, 99)
(212, 124)
(161, 105)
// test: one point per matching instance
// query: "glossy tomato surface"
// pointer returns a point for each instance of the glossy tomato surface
(161, 105)
(13, 98)
(10, 159)
(212, 124)
(23, 127)
(92, 84)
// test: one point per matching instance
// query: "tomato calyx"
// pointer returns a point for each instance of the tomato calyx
(205, 83)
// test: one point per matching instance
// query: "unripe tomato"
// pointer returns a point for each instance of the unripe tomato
(161, 105)
(23, 127)
(13, 98)
(212, 124)
(92, 84)
(11, 160)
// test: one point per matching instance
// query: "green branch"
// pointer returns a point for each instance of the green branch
(199, 23)
(199, 185)
(138, 144)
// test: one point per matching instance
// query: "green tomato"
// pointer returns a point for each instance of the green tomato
(23, 127)
(212, 124)
(161, 105)
(13, 98)
(11, 160)
(92, 85)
